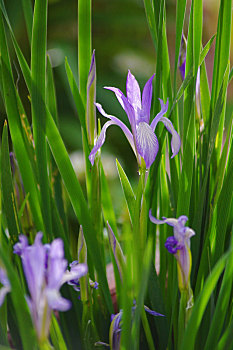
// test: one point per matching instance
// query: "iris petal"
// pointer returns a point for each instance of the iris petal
(125, 104)
(175, 141)
(147, 143)
(146, 99)
(101, 138)
(56, 301)
(164, 108)
(133, 91)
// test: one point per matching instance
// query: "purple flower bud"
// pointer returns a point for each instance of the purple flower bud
(115, 328)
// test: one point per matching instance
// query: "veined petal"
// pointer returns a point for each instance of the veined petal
(146, 143)
(125, 104)
(101, 138)
(118, 122)
(133, 91)
(146, 99)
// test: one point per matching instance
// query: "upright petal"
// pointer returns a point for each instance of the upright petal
(125, 104)
(33, 259)
(146, 99)
(146, 143)
(101, 138)
(133, 91)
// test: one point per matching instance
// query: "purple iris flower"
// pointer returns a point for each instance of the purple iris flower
(46, 271)
(75, 282)
(142, 138)
(115, 328)
(179, 245)
(6, 287)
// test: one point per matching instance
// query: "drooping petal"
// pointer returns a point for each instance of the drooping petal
(56, 301)
(146, 143)
(125, 104)
(76, 271)
(175, 141)
(133, 91)
(146, 99)
(100, 141)
(169, 221)
(101, 138)
(164, 108)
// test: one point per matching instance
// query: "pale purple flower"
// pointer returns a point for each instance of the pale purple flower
(46, 271)
(179, 245)
(142, 138)
(75, 282)
(6, 287)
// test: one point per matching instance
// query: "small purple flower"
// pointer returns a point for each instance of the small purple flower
(142, 138)
(179, 245)
(45, 270)
(6, 287)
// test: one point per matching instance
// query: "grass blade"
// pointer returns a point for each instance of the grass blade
(10, 100)
(8, 196)
(201, 303)
(38, 74)
(127, 189)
